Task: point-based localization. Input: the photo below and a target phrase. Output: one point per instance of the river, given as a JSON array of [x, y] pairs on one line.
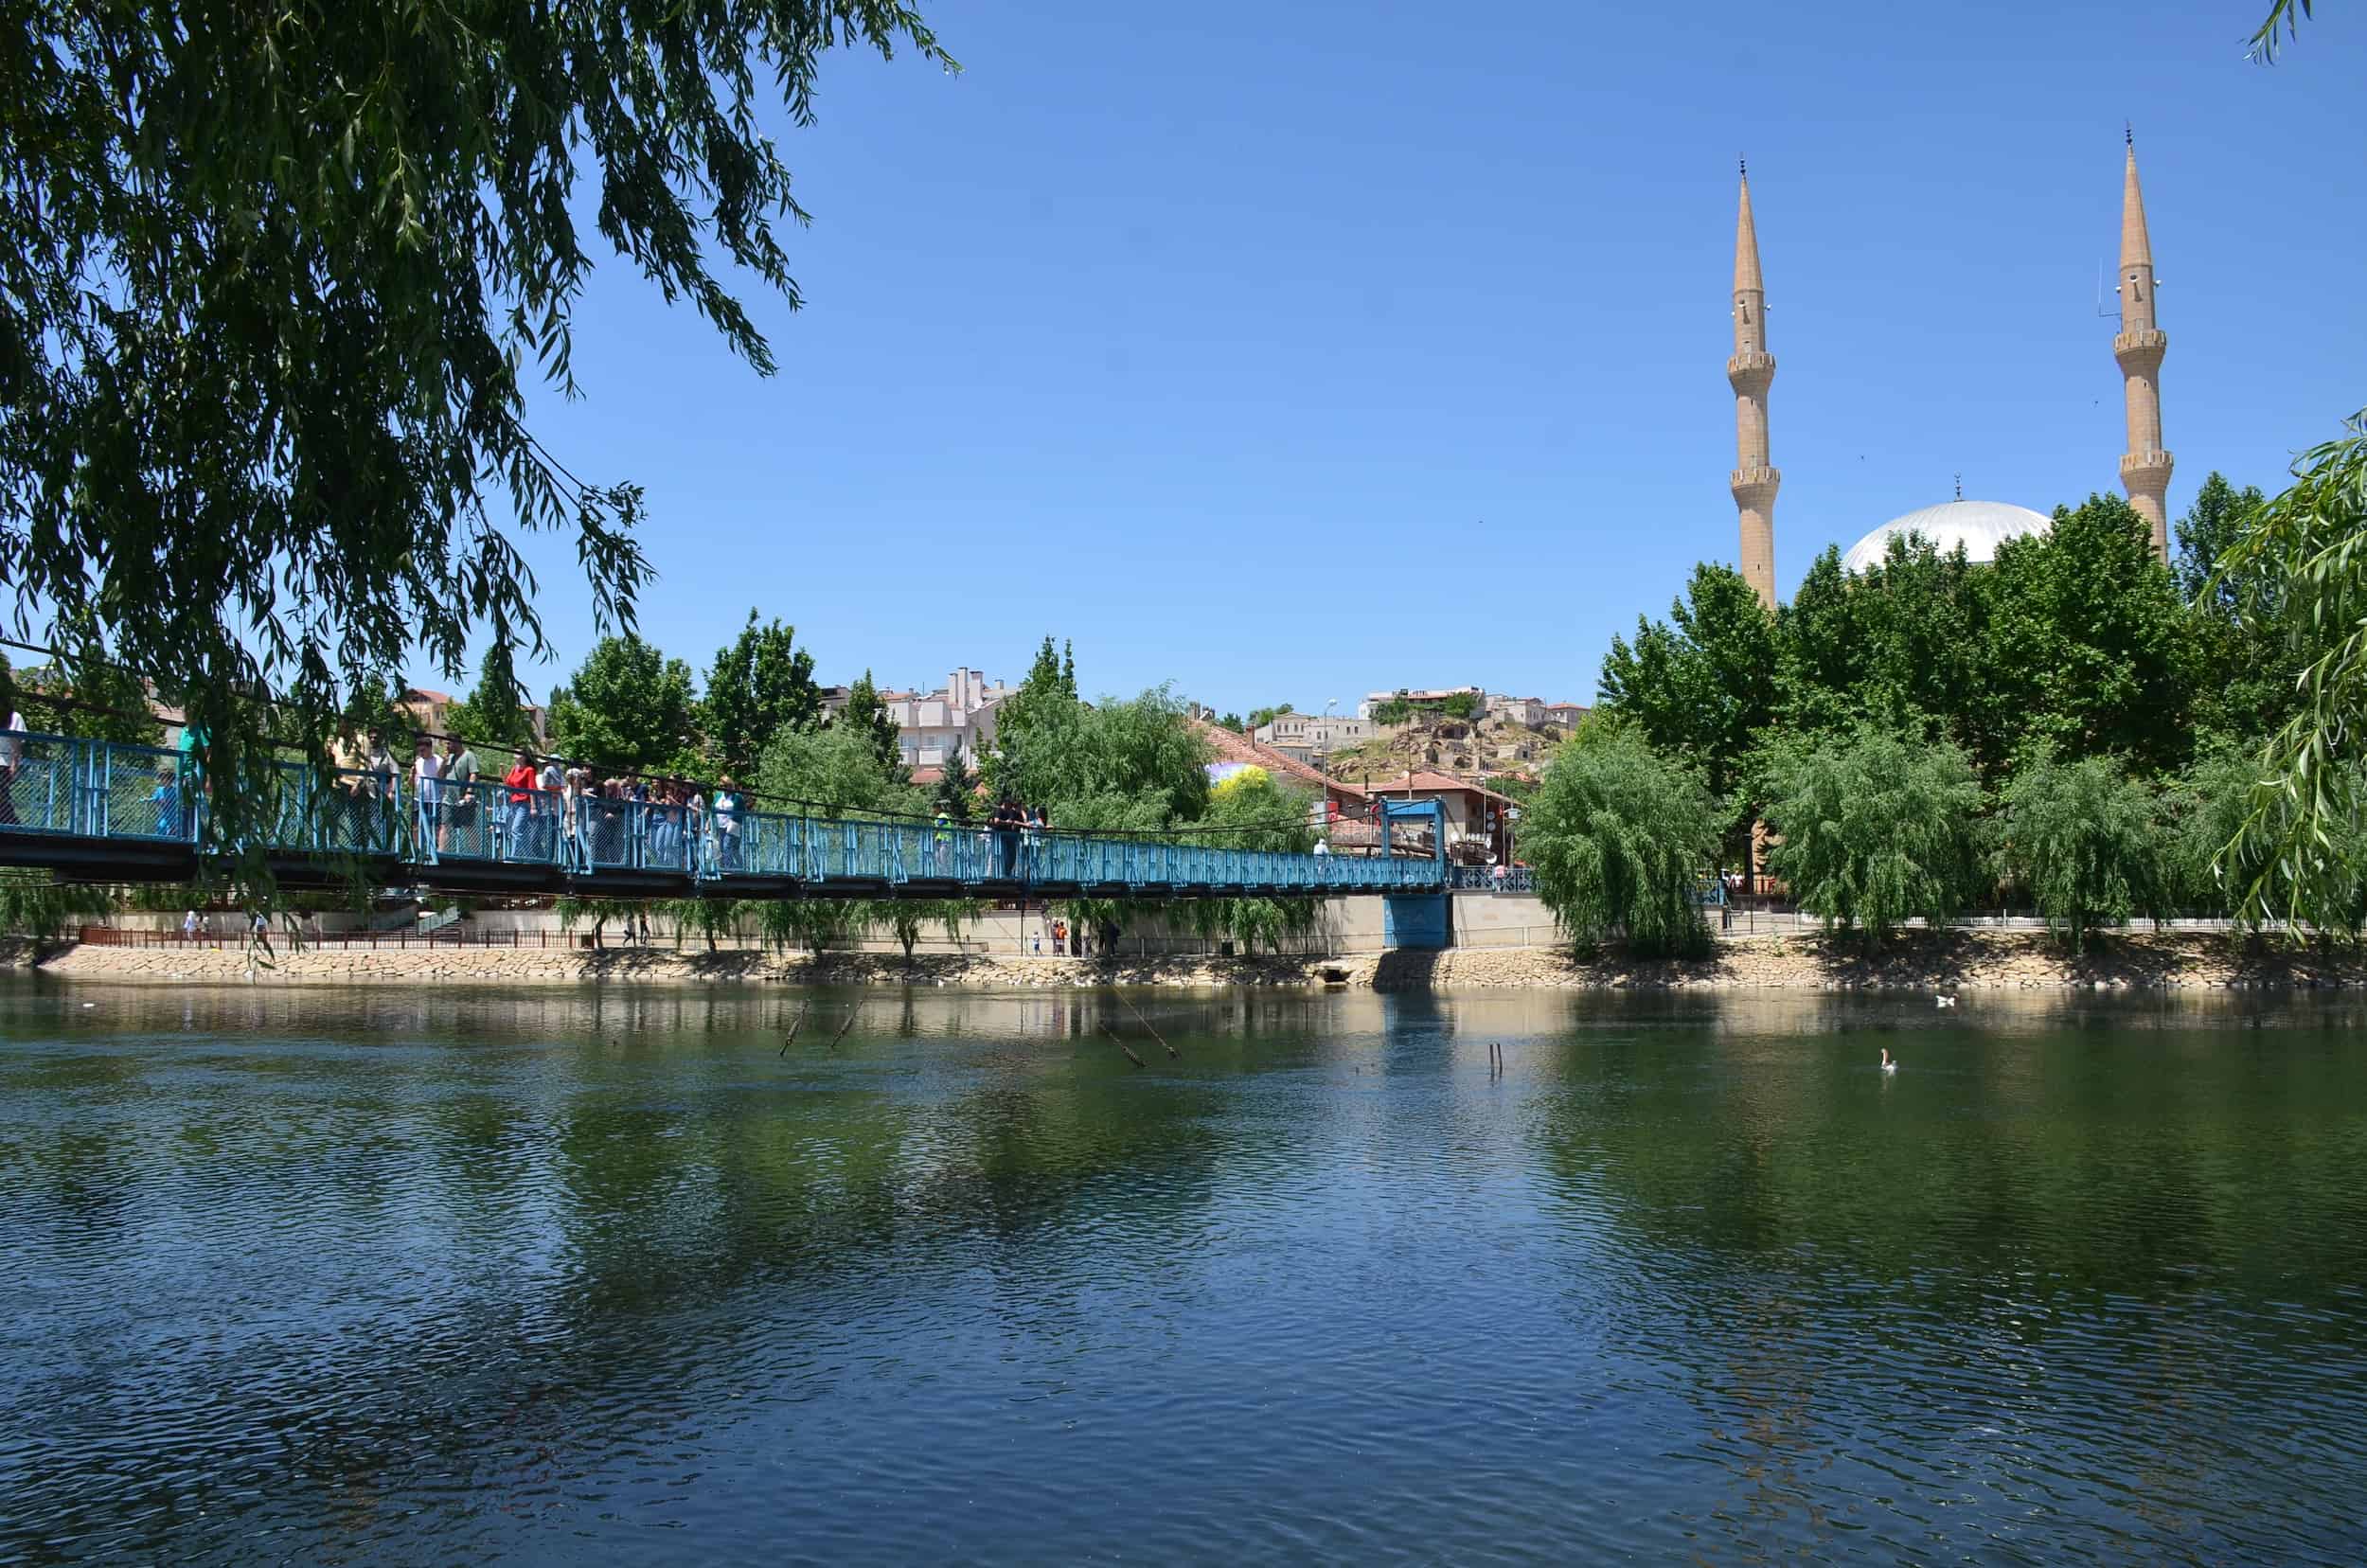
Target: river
[[385, 1276]]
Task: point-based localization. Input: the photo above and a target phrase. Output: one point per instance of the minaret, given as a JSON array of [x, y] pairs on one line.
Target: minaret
[[1751, 371], [2145, 467]]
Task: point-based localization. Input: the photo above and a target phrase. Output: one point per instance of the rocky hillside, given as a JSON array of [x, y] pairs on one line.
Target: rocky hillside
[[1463, 746]]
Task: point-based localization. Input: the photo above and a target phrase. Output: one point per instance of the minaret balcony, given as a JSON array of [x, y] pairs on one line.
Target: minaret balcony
[[2146, 470], [2140, 349], [1750, 372], [1754, 487]]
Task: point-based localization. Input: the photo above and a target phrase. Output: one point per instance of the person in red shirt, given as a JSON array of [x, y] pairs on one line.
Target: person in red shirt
[[520, 779]]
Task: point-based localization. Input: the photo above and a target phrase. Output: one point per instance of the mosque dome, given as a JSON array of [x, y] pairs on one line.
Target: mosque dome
[[1979, 527]]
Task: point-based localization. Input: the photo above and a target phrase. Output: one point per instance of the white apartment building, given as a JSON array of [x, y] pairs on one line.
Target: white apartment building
[[958, 719], [1302, 736]]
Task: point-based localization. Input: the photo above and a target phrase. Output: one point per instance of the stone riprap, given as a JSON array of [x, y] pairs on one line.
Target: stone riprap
[[1917, 960]]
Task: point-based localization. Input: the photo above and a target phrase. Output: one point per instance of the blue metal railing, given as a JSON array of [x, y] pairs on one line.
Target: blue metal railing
[[62, 787], [1510, 879]]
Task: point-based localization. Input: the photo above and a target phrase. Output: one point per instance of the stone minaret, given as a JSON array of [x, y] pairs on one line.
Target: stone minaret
[[2145, 467], [1751, 371]]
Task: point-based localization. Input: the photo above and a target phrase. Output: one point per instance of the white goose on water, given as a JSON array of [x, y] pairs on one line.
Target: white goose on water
[[1888, 1065]]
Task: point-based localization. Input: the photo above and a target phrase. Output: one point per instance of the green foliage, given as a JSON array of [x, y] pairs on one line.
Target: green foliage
[[627, 710], [36, 905], [759, 686], [1622, 838], [1047, 697], [1874, 830], [906, 920], [376, 710], [2084, 645], [1116, 765], [2083, 840], [711, 919], [1392, 710], [2262, 48], [1461, 704], [493, 715], [2243, 647], [279, 282], [598, 913], [866, 715], [835, 772], [2300, 567], [87, 693], [1250, 811], [811, 923], [1701, 688], [957, 790], [1261, 718], [2206, 807], [1232, 721]]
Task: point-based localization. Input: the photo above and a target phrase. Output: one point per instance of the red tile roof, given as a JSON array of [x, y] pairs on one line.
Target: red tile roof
[[928, 776], [1233, 746], [1425, 782]]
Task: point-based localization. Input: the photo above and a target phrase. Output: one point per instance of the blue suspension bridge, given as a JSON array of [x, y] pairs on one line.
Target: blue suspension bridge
[[102, 811]]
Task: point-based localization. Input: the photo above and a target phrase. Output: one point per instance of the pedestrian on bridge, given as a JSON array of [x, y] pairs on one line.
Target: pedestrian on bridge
[[520, 780], [11, 758], [459, 795]]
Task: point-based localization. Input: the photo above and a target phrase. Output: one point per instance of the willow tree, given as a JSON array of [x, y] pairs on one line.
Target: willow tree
[[2304, 560], [2086, 842], [1622, 839], [1874, 828], [275, 285]]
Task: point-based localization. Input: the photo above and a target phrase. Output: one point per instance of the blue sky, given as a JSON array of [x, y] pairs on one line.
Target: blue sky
[[1293, 352]]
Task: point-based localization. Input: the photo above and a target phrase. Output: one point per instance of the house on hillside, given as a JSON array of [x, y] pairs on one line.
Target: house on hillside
[[1438, 700], [1309, 737], [1565, 716], [1480, 830]]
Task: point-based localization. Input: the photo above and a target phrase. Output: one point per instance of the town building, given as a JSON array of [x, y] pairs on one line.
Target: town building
[[1431, 699], [1563, 716], [956, 719], [1311, 737], [1481, 828], [1528, 712]]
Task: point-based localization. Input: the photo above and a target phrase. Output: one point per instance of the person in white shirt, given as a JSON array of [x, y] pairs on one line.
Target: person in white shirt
[[427, 772], [554, 780], [11, 758]]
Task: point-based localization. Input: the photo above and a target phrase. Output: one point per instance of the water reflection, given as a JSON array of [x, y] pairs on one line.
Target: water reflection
[[419, 1277]]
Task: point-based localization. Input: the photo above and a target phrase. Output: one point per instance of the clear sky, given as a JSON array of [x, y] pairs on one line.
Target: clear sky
[[1292, 351]]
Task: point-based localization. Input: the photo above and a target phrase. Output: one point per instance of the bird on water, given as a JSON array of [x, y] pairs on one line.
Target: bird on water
[[1888, 1065]]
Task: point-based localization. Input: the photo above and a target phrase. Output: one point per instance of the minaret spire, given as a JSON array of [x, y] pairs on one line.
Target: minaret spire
[[2145, 467], [1750, 372]]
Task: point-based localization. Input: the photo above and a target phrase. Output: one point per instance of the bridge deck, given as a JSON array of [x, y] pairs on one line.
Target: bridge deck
[[132, 813]]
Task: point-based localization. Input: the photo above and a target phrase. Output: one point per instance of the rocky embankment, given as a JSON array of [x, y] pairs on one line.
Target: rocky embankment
[[1944, 961]]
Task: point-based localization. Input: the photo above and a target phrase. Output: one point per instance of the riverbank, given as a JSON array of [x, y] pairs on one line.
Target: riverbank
[[1944, 961]]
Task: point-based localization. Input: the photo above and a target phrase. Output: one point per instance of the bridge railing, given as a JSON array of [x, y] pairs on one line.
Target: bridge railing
[[66, 786]]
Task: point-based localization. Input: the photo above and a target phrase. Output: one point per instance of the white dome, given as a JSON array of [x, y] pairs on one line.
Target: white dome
[[1981, 526]]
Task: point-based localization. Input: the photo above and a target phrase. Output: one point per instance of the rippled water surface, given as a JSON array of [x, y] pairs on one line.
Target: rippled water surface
[[395, 1277]]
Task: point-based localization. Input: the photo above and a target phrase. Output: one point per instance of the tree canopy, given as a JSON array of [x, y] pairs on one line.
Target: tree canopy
[[2299, 564], [761, 685], [492, 714], [278, 285], [2082, 839], [628, 708], [1622, 838], [1874, 828]]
